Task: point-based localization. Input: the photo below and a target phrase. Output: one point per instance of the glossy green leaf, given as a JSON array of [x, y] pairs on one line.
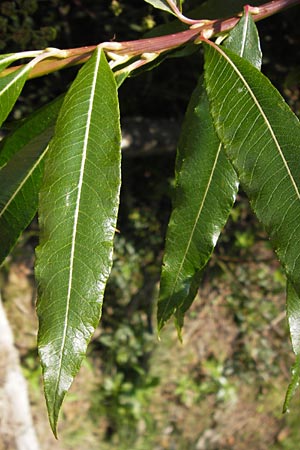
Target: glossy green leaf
[[21, 160], [78, 212], [262, 138], [204, 178], [243, 40], [20, 181], [10, 89]]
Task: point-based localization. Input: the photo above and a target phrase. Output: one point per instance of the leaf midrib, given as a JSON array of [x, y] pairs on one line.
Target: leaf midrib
[[194, 226], [76, 216], [245, 31], [25, 179], [226, 57]]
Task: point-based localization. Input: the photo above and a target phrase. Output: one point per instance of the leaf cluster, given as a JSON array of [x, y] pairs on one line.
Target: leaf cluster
[[65, 162]]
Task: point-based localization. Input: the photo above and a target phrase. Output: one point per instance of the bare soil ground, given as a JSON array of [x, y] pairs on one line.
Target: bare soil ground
[[222, 388]]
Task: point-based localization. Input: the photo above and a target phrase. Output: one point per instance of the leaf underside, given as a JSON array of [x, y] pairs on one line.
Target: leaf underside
[[205, 180], [78, 211]]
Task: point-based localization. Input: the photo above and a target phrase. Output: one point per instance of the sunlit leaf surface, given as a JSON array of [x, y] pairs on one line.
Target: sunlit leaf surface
[[262, 139], [78, 211]]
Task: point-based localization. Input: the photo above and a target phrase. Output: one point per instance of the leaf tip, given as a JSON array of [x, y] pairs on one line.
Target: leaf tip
[[53, 413]]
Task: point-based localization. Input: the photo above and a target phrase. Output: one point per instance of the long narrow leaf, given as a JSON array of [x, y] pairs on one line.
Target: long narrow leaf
[[78, 211], [206, 185], [294, 384], [20, 181], [10, 88], [12, 84], [29, 129], [21, 160], [293, 316], [262, 139]]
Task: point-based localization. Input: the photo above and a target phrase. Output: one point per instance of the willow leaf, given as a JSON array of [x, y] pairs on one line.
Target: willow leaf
[[78, 212], [21, 160], [294, 384], [204, 178], [261, 136], [20, 181], [10, 89], [293, 315], [29, 129], [6, 60]]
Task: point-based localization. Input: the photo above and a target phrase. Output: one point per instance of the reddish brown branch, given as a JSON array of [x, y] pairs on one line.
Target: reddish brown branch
[[157, 44]]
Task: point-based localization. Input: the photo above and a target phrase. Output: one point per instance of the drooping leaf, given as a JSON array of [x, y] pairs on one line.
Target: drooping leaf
[[204, 177], [35, 125], [20, 181], [262, 139], [203, 172], [21, 161], [293, 316], [78, 211], [294, 384]]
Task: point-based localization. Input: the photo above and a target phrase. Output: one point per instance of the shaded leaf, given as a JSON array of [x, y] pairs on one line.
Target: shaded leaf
[[78, 212], [261, 137], [21, 158], [203, 173], [205, 181], [20, 181], [29, 129]]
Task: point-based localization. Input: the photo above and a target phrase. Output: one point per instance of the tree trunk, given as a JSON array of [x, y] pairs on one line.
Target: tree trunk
[[16, 427]]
